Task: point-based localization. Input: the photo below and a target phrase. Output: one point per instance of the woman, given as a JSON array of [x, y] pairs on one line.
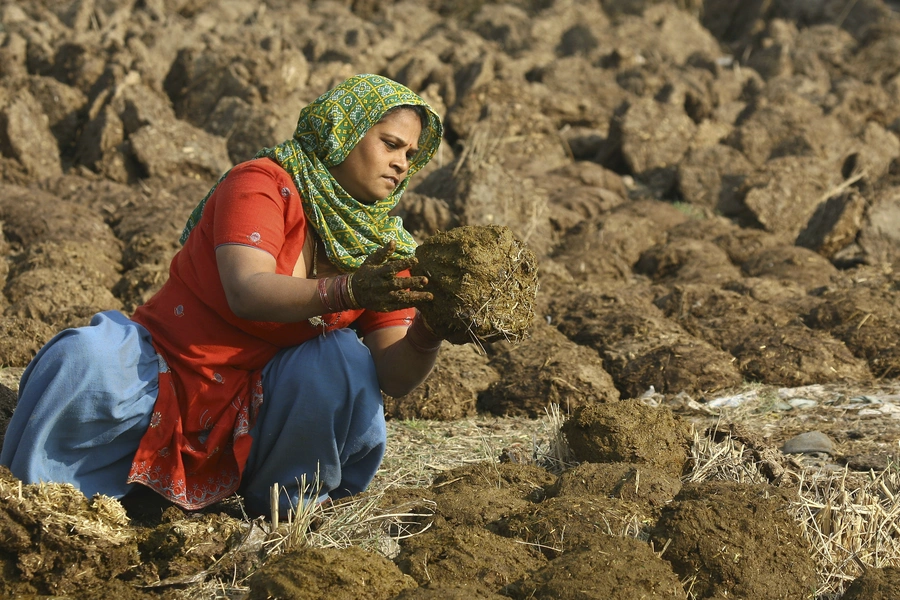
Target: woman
[[263, 357]]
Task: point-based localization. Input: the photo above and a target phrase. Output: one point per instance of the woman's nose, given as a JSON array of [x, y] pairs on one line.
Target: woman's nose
[[400, 162]]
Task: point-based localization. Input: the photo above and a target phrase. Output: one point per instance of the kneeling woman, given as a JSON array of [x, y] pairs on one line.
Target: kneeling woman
[[262, 358]]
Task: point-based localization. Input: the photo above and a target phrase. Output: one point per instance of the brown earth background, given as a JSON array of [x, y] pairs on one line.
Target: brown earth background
[[712, 192]]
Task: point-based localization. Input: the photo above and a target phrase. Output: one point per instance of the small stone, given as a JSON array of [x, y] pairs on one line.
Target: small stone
[[802, 403], [808, 443]]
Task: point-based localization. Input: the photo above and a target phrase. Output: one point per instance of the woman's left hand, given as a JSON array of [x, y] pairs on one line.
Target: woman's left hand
[[375, 285]]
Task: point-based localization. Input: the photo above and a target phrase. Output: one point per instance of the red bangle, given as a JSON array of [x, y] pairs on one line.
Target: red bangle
[[341, 297], [322, 287], [342, 292], [420, 336]]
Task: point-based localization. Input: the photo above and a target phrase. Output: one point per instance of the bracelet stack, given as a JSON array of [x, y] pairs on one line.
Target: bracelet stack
[[421, 337], [341, 297]]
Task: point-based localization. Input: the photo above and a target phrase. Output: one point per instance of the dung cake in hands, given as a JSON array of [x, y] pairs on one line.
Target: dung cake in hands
[[484, 282]]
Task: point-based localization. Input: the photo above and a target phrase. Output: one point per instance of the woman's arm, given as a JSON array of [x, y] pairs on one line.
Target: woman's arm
[[403, 358], [256, 292], [401, 366]]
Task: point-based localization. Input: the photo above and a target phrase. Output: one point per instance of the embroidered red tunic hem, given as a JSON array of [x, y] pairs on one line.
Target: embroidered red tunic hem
[[211, 362]]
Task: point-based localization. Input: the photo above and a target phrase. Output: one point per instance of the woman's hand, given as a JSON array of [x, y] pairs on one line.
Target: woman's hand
[[375, 285]]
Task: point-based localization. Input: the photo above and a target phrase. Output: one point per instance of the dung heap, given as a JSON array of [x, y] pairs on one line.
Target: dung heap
[[484, 282]]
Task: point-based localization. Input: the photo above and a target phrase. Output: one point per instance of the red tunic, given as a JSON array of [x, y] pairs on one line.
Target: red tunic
[[210, 380]]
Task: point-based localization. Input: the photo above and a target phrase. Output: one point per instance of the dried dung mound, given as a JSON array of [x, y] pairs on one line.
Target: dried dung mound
[[768, 340], [587, 255], [628, 431], [475, 495], [526, 481], [34, 294], [580, 191], [467, 555], [560, 525], [606, 247], [182, 545], [718, 315], [736, 540], [8, 400], [451, 391], [625, 565], [794, 356], [683, 260], [638, 483], [548, 368], [875, 584], [791, 263], [879, 235], [21, 338], [484, 282], [77, 258], [448, 591], [685, 364], [866, 320], [57, 542], [640, 347], [340, 573]]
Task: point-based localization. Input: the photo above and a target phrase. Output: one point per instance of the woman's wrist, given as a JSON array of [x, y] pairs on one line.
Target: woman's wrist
[[421, 337], [340, 297]]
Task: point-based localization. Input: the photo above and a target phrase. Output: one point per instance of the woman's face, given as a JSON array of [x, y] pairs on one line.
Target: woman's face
[[380, 161]]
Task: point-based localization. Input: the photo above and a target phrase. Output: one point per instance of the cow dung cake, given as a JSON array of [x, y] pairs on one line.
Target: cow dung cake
[[484, 282]]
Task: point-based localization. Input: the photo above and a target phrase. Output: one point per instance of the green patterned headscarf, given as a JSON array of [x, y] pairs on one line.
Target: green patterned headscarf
[[328, 129]]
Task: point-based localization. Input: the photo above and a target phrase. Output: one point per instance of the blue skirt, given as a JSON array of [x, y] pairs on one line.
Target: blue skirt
[[85, 402]]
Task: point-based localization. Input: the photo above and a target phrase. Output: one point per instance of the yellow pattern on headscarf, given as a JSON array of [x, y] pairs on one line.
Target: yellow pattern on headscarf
[[327, 130]]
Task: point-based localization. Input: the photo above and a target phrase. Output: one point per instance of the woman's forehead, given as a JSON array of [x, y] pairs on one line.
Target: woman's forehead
[[334, 123]]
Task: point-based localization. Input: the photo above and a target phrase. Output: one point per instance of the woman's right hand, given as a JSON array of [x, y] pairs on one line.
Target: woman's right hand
[[375, 285]]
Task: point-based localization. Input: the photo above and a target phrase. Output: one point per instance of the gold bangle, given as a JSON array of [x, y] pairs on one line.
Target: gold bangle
[[353, 301]]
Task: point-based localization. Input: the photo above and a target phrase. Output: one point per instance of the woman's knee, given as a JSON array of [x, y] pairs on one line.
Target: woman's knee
[[338, 357], [105, 355], [344, 349], [72, 347]]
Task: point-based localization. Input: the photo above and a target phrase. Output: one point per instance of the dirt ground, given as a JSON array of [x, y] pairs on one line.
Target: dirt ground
[[710, 191]]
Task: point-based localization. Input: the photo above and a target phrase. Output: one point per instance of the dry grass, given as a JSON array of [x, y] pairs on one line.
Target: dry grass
[[851, 523], [420, 450], [356, 521], [9, 376], [64, 508], [727, 460], [849, 519]]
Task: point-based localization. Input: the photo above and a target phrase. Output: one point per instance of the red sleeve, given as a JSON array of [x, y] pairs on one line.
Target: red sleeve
[[370, 321], [250, 207]]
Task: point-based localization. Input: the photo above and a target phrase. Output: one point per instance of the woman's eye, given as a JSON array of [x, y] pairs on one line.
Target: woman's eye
[[390, 145]]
